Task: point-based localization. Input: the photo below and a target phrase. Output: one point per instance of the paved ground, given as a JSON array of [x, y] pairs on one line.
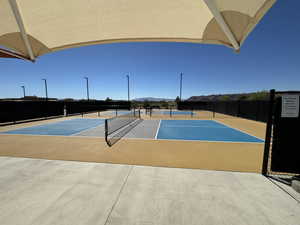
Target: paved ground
[[44, 192]]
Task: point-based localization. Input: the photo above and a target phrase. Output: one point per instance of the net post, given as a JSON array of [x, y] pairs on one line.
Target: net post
[[82, 114], [268, 134], [116, 112], [192, 113], [170, 112], [139, 113]]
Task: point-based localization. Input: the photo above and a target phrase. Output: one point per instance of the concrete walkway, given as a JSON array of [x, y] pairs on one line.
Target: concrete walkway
[[49, 192]]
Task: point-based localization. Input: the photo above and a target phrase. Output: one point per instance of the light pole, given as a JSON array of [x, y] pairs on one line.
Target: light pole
[[46, 88], [128, 87], [87, 88], [23, 87], [180, 94]]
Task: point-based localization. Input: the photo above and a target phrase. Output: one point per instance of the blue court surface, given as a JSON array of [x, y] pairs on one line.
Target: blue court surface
[[204, 130], [174, 112], [64, 128]]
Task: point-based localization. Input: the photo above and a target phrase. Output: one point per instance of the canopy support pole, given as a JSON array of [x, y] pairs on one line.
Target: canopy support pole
[[16, 55], [224, 26], [15, 9]]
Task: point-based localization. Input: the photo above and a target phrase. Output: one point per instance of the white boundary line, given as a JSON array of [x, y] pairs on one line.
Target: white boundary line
[[180, 126], [234, 142], [239, 130], [87, 129], [46, 123], [157, 130], [237, 142], [49, 135], [145, 139], [18, 129]]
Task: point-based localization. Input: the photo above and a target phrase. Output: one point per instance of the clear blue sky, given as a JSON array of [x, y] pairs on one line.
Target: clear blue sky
[[269, 58]]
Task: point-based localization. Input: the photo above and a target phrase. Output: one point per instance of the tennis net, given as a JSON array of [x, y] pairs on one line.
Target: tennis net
[[114, 126]]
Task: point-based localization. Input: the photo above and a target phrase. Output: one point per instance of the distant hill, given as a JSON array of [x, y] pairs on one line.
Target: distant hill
[[262, 95], [151, 99]]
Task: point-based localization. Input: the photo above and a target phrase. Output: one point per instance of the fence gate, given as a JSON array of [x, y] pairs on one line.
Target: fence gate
[[282, 143]]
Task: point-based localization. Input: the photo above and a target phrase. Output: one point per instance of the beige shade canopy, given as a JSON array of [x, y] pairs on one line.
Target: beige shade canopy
[[30, 28]]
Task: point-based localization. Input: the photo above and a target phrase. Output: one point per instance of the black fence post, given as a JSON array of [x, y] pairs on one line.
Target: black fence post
[[268, 134], [257, 110], [239, 109]]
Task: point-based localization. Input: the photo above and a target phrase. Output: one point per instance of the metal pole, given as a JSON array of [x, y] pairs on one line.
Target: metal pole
[[180, 94], [87, 88], [268, 134], [46, 89], [128, 87], [23, 90]]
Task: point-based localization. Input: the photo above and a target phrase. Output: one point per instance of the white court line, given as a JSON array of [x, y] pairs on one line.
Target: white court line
[[65, 135], [86, 129], [239, 130], [51, 122], [146, 139], [157, 129], [150, 139], [52, 135], [196, 126]]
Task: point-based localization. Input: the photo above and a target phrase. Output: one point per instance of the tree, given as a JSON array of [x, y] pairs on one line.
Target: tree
[[108, 99], [242, 97], [146, 104], [165, 104], [225, 98], [177, 99], [260, 95]]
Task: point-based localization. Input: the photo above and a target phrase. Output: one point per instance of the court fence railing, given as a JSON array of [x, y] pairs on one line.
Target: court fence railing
[[171, 112], [12, 112], [253, 110]]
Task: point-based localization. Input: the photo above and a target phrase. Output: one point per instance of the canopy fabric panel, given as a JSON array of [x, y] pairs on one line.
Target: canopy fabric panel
[[33, 28]]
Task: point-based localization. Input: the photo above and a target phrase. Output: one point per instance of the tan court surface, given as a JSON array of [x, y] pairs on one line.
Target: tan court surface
[[50, 192], [244, 157]]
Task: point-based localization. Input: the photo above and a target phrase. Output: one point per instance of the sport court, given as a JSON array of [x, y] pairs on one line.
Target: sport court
[[174, 112], [188, 130], [62, 128], [219, 144]]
